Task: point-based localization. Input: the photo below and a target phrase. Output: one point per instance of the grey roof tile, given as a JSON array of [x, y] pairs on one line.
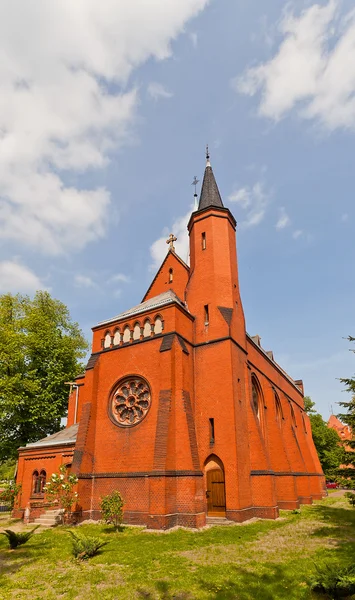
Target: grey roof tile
[[153, 303], [64, 436], [210, 195]]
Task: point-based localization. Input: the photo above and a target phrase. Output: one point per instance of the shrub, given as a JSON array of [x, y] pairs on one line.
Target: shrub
[[59, 490], [334, 580], [112, 508], [351, 498], [86, 546], [9, 494], [18, 539]]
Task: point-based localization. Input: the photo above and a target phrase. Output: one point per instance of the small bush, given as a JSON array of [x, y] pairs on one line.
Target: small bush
[[18, 539], [86, 546], [112, 508], [334, 580], [351, 498]]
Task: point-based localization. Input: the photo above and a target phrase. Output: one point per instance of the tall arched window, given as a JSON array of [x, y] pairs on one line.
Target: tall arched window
[[256, 400], [171, 275], [35, 481], [278, 408], [117, 337], [293, 416]]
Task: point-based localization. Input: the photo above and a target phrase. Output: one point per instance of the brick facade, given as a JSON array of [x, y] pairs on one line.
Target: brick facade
[[215, 397]]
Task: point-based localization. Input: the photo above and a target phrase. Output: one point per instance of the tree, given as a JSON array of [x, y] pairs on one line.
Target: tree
[[348, 418], [326, 440], [40, 349]]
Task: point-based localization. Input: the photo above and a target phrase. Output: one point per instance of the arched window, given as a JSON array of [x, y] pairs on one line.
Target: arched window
[[256, 400], [158, 325], [171, 275], [147, 329], [35, 482], [137, 332], [278, 407], [117, 338], [42, 480], [107, 341], [38, 482], [126, 334]]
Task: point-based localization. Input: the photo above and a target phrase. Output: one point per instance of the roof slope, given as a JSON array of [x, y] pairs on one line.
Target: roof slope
[[64, 436], [163, 299]]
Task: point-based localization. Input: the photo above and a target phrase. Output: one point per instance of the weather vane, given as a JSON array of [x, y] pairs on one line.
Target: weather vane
[[195, 182]]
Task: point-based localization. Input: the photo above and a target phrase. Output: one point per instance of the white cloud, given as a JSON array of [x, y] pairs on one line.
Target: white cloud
[[84, 281], [157, 91], [297, 234], [313, 69], [159, 248], [16, 278], [253, 200], [65, 105], [283, 220], [119, 277]]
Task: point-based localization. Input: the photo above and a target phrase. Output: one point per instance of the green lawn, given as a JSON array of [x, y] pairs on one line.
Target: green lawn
[[266, 560]]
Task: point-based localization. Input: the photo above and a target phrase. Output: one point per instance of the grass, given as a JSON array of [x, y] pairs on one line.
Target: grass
[[262, 560]]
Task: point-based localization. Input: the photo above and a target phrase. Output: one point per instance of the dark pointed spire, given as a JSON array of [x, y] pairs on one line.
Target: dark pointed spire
[[210, 195]]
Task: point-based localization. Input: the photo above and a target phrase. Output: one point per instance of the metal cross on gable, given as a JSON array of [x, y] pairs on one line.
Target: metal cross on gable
[[171, 241]]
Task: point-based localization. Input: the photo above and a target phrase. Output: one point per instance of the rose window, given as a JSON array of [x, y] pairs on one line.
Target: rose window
[[130, 402]]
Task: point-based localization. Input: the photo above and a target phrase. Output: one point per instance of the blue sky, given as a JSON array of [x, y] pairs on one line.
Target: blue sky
[[105, 112]]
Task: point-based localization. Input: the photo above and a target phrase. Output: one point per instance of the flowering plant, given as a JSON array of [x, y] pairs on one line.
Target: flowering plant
[[59, 489]]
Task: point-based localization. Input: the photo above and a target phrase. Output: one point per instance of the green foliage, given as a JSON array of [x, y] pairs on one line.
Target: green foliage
[[7, 470], [335, 580], [351, 498], [112, 508], [18, 539], [348, 418], [86, 546], [59, 489], [326, 440], [10, 493], [40, 349]]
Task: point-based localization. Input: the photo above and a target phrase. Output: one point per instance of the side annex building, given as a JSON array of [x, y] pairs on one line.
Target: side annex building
[[179, 408]]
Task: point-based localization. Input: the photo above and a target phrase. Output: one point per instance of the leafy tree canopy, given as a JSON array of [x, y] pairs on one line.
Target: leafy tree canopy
[[348, 417], [326, 440], [40, 349]]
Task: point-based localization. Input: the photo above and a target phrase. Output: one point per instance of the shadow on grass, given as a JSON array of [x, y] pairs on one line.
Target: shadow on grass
[[276, 582], [12, 561], [164, 593]]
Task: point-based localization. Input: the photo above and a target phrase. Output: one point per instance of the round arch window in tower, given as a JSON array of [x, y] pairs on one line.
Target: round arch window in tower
[[130, 401]]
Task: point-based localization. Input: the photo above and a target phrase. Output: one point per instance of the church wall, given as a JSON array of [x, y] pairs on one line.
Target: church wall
[[134, 456]]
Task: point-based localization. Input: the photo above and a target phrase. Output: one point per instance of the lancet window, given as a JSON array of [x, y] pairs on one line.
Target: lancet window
[[38, 481]]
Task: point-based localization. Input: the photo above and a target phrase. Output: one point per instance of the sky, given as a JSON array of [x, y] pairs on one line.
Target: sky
[[105, 111]]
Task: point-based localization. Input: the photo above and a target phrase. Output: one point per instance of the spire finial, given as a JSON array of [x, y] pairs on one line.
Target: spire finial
[[208, 164], [171, 241]]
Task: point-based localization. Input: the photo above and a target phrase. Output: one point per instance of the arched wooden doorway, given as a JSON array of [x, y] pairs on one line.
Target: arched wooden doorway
[[215, 491]]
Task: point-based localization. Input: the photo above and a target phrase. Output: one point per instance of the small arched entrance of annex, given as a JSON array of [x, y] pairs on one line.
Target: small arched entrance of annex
[[215, 487]]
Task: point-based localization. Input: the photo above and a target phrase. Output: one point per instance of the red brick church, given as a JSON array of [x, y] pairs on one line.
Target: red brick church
[[179, 408]]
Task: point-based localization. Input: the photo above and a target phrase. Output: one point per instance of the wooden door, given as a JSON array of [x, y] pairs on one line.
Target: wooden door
[[216, 496]]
